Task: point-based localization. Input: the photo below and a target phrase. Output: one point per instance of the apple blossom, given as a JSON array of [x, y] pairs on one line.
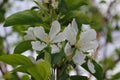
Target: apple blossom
[[87, 41], [53, 38]]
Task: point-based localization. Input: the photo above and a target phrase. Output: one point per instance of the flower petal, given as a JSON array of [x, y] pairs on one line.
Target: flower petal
[[85, 27], [68, 50], [91, 66], [89, 45], [79, 58], [40, 33], [70, 34], [55, 49], [55, 29], [74, 26], [37, 45], [30, 34], [32, 59], [59, 38], [88, 35]]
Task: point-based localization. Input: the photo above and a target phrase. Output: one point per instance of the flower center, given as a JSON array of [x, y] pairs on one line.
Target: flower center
[[77, 45]]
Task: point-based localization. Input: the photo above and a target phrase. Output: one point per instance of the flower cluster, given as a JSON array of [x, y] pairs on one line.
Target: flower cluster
[[77, 42]]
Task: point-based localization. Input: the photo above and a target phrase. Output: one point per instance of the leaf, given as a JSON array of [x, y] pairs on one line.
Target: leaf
[[78, 78], [22, 68], [25, 77], [15, 59], [99, 72], [27, 17], [40, 71], [81, 18], [56, 58], [23, 46], [116, 76], [2, 15], [47, 57], [75, 4]]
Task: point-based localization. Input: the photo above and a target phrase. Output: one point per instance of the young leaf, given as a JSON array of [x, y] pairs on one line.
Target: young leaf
[[23, 46], [75, 4], [15, 59], [40, 71], [27, 17], [25, 77], [81, 18], [116, 76], [98, 70], [22, 68]]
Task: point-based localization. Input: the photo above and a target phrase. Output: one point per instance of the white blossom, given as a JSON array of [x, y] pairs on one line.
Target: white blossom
[[54, 37], [86, 41]]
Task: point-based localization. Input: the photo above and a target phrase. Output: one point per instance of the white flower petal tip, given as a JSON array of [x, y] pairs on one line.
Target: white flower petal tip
[[40, 33], [39, 61], [54, 30], [37, 45], [34, 61], [59, 38], [30, 34], [79, 58], [68, 50], [55, 49], [91, 66], [70, 34], [74, 25], [85, 27]]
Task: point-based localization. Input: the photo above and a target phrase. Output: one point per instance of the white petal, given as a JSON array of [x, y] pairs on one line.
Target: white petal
[[37, 45], [59, 38], [85, 27], [29, 35], [79, 58], [92, 45], [88, 35], [55, 29], [91, 66], [55, 49], [32, 59], [40, 33], [74, 26], [70, 34], [39, 61], [68, 50]]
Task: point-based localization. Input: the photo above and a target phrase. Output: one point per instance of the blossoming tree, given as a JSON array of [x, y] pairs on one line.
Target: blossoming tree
[[56, 33]]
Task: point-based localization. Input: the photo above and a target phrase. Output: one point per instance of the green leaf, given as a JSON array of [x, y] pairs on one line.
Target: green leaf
[[22, 68], [15, 59], [78, 78], [40, 71], [103, 1], [2, 15], [25, 77], [27, 17], [75, 4], [47, 56], [99, 71], [116, 76], [81, 18], [23, 46], [56, 58]]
